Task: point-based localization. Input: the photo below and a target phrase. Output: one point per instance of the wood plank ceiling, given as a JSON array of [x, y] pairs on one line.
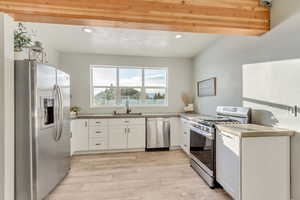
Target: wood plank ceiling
[[238, 17]]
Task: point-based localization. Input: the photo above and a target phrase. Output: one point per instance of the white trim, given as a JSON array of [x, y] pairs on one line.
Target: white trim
[[107, 151], [7, 107], [118, 87]]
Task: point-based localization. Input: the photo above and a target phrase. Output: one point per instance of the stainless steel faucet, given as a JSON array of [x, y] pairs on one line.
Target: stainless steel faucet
[[128, 110]]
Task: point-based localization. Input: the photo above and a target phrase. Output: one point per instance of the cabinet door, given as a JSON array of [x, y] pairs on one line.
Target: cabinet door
[[117, 137], [136, 136], [80, 135], [228, 163], [175, 132], [185, 135]]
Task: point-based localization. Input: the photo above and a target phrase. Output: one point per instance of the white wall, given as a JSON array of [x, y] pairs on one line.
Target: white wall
[[225, 58], [52, 53], [6, 108], [77, 65]]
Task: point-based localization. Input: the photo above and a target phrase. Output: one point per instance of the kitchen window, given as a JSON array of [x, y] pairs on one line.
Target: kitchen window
[[114, 86]]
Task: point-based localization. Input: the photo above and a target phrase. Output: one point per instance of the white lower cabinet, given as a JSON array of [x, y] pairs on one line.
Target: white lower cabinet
[[253, 168], [175, 132], [185, 135], [80, 135], [97, 144], [228, 163], [117, 137], [127, 133], [136, 137], [107, 134]]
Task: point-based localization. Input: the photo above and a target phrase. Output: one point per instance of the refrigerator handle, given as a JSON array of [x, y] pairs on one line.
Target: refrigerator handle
[[56, 111], [60, 130]]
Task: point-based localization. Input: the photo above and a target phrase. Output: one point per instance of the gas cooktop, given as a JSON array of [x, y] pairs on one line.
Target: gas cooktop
[[210, 120]]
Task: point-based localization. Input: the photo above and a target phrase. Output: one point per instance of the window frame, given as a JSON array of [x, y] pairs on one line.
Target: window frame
[[118, 87]]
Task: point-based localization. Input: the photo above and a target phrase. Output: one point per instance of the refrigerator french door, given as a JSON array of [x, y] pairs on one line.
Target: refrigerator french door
[[42, 129]]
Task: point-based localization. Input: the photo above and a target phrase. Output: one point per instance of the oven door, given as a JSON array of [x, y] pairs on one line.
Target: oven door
[[202, 149]]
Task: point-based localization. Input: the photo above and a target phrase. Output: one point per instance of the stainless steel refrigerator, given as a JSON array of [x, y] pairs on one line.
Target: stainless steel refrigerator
[[42, 129]]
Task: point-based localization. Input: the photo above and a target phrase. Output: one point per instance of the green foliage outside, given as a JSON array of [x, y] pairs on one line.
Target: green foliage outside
[[108, 96]]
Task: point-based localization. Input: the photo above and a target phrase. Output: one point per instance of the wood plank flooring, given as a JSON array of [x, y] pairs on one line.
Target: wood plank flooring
[[134, 176]]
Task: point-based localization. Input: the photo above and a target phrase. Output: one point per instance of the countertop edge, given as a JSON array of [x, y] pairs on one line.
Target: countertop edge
[[188, 116], [248, 134], [108, 116]]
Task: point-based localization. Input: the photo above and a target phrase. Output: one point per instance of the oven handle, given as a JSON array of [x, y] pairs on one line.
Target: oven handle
[[207, 135]]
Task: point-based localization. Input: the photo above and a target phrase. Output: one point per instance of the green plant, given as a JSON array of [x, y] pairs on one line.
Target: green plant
[[75, 109], [22, 38]]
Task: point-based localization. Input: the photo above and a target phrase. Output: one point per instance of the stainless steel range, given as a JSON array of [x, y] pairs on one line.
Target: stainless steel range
[[203, 143]]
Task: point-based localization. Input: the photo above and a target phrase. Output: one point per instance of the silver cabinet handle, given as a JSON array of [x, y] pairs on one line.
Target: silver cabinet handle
[[98, 131], [98, 144], [125, 131], [128, 130], [126, 121], [86, 123], [98, 122]]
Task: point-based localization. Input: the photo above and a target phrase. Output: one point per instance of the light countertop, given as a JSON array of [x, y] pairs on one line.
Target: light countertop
[[188, 116], [108, 116], [253, 130]]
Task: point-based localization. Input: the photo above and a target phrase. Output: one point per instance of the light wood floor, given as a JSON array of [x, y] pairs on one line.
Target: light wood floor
[[134, 176]]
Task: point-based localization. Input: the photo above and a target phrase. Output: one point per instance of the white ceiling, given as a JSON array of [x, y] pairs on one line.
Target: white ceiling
[[117, 41]]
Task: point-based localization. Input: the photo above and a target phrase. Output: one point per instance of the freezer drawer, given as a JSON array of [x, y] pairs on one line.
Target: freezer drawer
[[158, 133]]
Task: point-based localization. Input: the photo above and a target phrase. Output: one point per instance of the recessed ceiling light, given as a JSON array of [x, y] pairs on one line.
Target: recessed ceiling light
[[178, 36], [87, 30]]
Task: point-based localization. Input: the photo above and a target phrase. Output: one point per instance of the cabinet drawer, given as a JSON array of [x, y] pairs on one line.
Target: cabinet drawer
[[97, 144], [127, 121], [98, 122], [97, 132]]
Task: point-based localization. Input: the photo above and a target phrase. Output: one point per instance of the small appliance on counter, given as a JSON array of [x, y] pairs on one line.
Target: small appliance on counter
[[203, 139], [158, 134]]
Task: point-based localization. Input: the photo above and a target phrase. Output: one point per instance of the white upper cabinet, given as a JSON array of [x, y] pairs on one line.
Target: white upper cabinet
[[280, 81]]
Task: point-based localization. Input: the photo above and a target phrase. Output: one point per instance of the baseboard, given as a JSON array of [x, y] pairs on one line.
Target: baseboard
[[175, 148], [108, 151]]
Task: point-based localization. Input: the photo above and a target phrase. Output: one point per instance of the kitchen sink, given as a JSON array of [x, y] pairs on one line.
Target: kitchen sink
[[128, 114]]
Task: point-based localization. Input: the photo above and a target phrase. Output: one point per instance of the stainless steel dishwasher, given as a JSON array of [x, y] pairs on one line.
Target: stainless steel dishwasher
[[158, 134]]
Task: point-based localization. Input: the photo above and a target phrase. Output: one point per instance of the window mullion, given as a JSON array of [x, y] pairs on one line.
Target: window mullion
[[143, 92], [118, 91]]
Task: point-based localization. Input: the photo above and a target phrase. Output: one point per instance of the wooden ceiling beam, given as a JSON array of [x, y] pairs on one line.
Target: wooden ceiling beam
[[238, 17]]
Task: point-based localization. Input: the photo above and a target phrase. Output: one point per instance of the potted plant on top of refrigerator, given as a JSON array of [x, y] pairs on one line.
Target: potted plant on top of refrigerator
[[22, 41]]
